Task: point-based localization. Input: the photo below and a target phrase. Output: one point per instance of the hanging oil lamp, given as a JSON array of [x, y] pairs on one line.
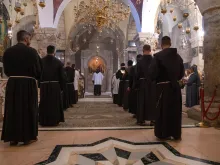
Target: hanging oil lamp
[[180, 25], [163, 11], [17, 7], [9, 23], [171, 10], [174, 18], [17, 21], [42, 3], [25, 4], [196, 28], [185, 14], [188, 30], [168, 1], [22, 12], [1, 20]]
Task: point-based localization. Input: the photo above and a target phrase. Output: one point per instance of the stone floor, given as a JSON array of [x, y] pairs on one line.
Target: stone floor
[[97, 132], [100, 112], [196, 144]]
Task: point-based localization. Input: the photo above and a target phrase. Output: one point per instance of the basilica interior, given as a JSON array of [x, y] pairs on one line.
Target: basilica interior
[[102, 34]]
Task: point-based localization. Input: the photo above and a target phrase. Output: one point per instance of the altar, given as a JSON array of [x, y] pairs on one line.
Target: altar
[[91, 61]]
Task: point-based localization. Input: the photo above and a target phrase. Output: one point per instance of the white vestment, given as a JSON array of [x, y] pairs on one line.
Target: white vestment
[[76, 79], [115, 85], [97, 78]]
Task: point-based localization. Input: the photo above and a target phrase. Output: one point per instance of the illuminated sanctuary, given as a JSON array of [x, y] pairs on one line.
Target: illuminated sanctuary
[[102, 34]]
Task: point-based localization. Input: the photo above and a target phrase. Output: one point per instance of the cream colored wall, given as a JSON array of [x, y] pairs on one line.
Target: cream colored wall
[[69, 17], [132, 31]]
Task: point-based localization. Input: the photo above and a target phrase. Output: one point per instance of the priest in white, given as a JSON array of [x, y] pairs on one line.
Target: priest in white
[[76, 83], [97, 81]]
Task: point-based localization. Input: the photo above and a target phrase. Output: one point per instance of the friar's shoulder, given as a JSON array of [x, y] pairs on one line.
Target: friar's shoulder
[[180, 58], [32, 50], [58, 62], [158, 54]]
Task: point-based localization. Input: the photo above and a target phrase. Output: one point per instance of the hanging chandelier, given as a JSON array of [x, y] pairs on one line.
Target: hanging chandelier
[[101, 14]]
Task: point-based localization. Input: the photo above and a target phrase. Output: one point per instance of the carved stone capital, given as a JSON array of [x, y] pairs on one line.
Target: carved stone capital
[[196, 42], [146, 38]]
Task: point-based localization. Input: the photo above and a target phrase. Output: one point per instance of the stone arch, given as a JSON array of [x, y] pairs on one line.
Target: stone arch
[[127, 2], [132, 32], [26, 23], [107, 75], [5, 12]]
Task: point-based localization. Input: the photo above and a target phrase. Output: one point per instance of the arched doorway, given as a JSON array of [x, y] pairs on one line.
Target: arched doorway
[[94, 63]]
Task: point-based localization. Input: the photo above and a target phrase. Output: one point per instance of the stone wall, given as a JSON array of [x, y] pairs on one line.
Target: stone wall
[[61, 41], [51, 36], [132, 31]]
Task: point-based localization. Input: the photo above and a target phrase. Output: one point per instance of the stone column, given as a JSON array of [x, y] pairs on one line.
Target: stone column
[[1, 108], [210, 10], [145, 38], [197, 47]]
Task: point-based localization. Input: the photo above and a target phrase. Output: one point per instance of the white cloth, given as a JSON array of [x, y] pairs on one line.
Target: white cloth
[[115, 85], [76, 79], [97, 78]]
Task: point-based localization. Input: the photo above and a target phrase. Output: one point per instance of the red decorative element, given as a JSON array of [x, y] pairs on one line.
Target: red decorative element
[[138, 4], [205, 111], [56, 5]]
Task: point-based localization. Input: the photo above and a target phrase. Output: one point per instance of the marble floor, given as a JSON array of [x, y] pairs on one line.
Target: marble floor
[[113, 144], [199, 146]]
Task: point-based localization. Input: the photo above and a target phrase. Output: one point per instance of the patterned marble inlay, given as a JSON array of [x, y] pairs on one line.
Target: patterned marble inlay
[[112, 151]]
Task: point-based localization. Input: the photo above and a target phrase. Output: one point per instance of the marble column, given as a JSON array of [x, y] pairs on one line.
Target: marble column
[[145, 38], [210, 10]]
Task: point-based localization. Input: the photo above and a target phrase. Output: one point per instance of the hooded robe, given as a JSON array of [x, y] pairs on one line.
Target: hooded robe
[[167, 69]]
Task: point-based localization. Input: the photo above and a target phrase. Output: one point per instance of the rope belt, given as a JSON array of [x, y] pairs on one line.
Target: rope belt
[[126, 80], [49, 82], [142, 79], [70, 83], [22, 77], [165, 82], [27, 77]]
